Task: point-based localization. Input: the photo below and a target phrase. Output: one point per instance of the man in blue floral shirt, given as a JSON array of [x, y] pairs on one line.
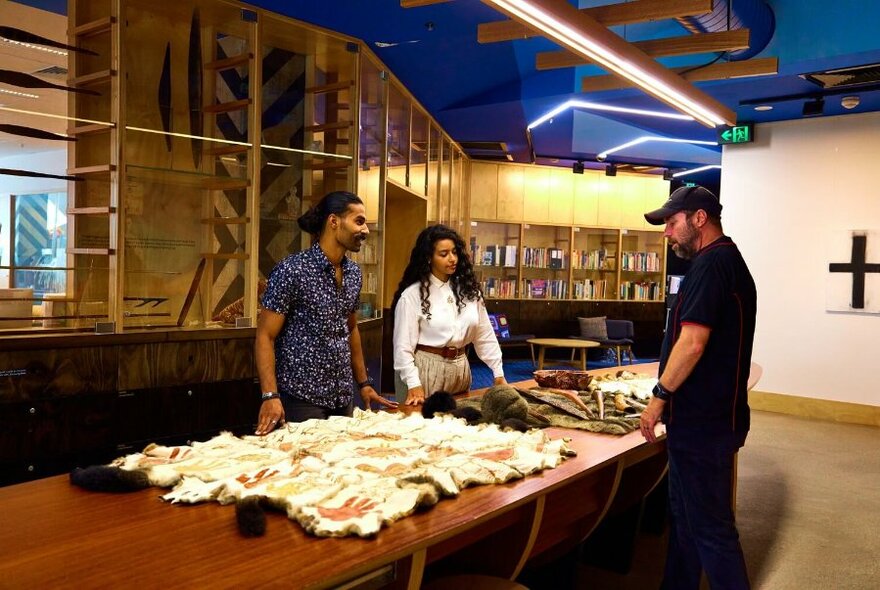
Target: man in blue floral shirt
[[308, 347]]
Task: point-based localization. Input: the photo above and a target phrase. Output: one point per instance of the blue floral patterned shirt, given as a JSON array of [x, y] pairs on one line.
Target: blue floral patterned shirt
[[312, 352]]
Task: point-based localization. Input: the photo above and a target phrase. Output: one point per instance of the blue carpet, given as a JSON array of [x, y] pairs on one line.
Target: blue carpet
[[522, 369]]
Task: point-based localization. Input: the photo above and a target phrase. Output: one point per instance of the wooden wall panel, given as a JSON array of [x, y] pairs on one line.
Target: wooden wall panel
[[536, 202], [484, 190], [561, 196], [586, 198], [511, 193], [609, 213], [656, 193], [631, 200], [167, 364], [39, 374]]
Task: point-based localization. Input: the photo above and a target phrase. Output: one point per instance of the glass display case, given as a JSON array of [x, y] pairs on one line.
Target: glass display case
[[546, 252], [418, 152], [399, 107], [445, 188], [434, 175], [642, 265], [369, 184], [594, 263], [495, 254], [203, 130]]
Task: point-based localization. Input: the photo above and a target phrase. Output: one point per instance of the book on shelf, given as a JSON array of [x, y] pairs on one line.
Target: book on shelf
[[640, 291], [557, 258], [591, 289], [544, 288], [488, 256], [508, 258], [640, 261], [494, 288]]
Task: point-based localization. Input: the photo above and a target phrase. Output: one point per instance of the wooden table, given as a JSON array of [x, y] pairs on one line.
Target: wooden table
[[53, 535], [575, 344]]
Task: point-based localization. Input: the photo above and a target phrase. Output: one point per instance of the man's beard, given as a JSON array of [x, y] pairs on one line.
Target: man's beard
[[687, 248], [353, 244]]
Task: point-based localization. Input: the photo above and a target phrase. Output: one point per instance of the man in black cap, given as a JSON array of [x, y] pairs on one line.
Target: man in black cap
[[701, 394]]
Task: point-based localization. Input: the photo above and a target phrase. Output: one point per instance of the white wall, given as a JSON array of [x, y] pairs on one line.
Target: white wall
[[781, 196]]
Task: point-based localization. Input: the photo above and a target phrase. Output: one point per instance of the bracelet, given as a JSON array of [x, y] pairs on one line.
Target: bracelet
[[270, 395], [364, 383], [661, 392]]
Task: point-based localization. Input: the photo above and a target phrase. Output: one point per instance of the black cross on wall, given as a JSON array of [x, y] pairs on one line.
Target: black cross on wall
[[858, 266]]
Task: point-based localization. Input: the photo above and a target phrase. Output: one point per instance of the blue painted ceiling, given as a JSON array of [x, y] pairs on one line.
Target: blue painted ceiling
[[491, 92]]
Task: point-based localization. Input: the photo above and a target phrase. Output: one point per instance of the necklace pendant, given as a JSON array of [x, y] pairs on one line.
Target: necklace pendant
[[449, 299]]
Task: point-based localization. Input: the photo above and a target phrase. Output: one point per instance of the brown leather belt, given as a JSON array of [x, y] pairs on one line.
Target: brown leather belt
[[447, 352]]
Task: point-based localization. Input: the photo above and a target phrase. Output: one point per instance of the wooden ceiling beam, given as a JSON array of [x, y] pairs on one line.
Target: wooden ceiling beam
[[684, 45], [609, 15], [580, 32], [415, 3], [765, 66]]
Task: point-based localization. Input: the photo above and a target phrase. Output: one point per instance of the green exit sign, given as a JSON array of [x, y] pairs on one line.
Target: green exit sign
[[744, 133]]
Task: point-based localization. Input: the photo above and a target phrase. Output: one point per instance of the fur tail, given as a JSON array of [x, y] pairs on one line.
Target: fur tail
[[104, 478], [250, 517], [440, 401]]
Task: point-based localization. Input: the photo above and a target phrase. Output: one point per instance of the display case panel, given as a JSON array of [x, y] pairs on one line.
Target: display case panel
[[418, 152], [495, 254], [373, 94], [546, 252], [187, 190], [434, 148], [399, 108], [642, 265], [445, 189], [455, 210], [594, 263]]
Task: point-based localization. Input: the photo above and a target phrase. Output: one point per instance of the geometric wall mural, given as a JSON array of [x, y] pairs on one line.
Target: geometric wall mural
[[853, 280]]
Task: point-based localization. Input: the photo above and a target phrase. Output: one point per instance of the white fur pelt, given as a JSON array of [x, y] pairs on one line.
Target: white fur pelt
[[347, 476]]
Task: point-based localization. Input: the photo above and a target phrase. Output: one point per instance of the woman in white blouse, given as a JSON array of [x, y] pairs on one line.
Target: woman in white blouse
[[438, 311]]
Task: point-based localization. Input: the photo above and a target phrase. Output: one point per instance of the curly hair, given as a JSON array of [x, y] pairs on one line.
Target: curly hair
[[464, 283]]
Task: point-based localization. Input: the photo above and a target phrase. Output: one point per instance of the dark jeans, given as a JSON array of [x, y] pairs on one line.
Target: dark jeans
[[703, 535], [297, 410]]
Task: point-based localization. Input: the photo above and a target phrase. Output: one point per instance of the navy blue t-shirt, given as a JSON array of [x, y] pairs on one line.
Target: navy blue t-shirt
[[711, 406], [312, 352]]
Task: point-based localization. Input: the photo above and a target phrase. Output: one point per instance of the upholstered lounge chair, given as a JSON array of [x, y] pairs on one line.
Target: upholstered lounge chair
[[620, 338]]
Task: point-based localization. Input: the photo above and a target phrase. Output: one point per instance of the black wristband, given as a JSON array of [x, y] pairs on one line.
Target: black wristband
[[661, 392], [366, 382], [269, 395]]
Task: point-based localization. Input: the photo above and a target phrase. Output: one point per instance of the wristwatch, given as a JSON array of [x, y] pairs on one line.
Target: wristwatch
[[661, 392], [366, 382], [269, 395]]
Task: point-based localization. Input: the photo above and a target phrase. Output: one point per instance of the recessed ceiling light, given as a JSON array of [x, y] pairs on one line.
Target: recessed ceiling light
[[764, 107]]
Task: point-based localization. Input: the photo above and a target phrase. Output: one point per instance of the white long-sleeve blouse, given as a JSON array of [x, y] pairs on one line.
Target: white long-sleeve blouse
[[448, 326]]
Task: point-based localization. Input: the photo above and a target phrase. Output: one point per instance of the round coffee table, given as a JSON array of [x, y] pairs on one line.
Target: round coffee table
[[574, 343]]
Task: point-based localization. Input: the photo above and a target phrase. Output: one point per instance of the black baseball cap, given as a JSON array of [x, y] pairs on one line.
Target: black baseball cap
[[686, 198]]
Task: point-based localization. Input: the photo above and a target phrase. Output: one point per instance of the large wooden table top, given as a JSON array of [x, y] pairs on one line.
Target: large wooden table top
[[53, 534]]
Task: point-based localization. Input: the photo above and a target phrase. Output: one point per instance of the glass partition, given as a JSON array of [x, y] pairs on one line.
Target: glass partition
[[434, 175], [418, 163], [399, 107], [370, 189]]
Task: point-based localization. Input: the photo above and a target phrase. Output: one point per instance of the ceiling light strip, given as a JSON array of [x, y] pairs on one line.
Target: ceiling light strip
[[580, 104], [552, 27], [695, 170], [650, 138]]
